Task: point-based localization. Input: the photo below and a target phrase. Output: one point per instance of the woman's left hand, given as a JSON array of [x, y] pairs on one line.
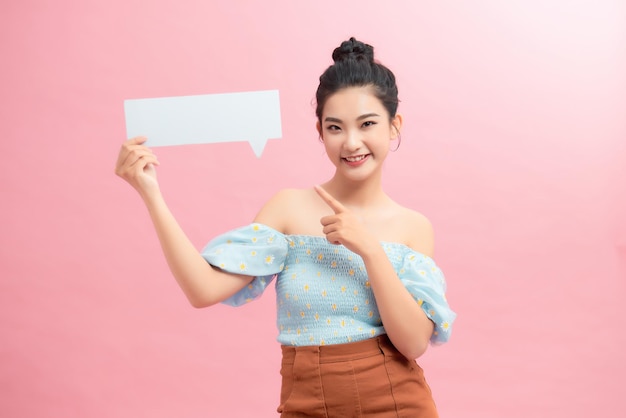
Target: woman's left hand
[[344, 228]]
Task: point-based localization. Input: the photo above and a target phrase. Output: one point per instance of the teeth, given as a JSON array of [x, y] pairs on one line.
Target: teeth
[[355, 159]]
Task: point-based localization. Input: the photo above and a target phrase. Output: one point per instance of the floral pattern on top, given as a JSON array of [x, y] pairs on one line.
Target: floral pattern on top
[[323, 294]]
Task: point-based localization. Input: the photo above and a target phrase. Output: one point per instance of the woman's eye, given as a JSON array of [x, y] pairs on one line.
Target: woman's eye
[[368, 123], [332, 128]]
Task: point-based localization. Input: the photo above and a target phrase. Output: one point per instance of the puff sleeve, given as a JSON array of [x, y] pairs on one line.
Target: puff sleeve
[[254, 250], [426, 283]]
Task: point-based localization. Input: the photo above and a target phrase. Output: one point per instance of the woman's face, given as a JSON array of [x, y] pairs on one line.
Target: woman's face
[[356, 130]]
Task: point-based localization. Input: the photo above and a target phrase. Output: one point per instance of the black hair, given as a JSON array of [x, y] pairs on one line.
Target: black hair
[[355, 67]]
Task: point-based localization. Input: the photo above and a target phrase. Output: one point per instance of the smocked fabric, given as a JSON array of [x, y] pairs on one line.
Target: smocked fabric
[[323, 294]]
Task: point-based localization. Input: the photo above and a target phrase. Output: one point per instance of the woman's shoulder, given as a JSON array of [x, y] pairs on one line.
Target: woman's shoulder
[[285, 206], [288, 198], [417, 230]]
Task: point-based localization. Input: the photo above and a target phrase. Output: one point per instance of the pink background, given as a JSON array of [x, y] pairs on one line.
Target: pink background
[[514, 146]]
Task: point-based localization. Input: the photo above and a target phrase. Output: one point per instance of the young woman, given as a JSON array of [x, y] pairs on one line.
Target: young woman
[[358, 294]]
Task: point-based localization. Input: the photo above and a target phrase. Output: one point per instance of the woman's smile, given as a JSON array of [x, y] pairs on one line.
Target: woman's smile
[[356, 160]]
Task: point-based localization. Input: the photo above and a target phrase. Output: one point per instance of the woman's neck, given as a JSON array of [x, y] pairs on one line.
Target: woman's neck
[[357, 194]]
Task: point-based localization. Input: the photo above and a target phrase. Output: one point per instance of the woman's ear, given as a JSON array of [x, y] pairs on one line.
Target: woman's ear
[[318, 126], [396, 126]]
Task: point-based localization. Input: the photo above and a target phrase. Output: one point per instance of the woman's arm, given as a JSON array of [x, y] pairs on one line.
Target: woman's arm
[[203, 284], [406, 324]]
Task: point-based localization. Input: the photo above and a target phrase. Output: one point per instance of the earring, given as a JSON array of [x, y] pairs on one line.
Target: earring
[[399, 138]]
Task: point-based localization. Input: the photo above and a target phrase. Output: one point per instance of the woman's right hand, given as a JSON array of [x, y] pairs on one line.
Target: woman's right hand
[[203, 284], [135, 164]]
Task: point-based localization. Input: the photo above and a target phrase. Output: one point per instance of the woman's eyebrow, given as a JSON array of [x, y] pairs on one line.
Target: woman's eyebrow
[[337, 120], [331, 119], [367, 115]]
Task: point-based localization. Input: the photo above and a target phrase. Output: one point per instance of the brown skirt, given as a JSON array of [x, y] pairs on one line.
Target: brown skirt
[[364, 379]]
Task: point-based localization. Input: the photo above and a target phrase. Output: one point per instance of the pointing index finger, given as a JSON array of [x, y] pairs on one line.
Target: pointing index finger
[[334, 204]]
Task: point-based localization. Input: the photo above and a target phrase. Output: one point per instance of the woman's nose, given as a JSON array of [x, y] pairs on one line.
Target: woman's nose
[[353, 141]]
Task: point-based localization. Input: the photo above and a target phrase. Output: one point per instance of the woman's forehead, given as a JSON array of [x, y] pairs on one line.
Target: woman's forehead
[[352, 103]]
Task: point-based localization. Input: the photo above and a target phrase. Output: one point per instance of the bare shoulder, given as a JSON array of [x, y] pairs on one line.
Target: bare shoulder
[[419, 229], [281, 209]]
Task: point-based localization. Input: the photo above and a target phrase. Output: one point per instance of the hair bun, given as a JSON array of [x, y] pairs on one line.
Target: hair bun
[[353, 49]]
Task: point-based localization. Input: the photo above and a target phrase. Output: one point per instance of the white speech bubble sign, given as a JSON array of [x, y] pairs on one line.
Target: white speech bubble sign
[[252, 117]]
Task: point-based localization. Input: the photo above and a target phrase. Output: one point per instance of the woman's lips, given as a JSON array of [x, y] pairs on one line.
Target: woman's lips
[[356, 160]]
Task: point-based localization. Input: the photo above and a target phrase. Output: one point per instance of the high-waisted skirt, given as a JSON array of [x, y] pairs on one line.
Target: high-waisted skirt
[[364, 379]]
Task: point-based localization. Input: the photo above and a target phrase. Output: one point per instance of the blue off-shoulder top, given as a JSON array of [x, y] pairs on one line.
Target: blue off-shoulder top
[[323, 295]]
